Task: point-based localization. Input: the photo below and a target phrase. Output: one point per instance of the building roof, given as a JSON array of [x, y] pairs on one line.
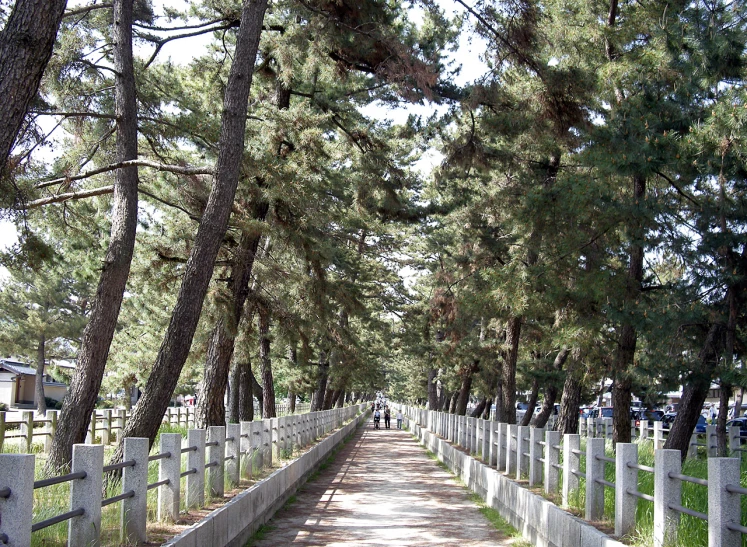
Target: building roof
[[16, 368]]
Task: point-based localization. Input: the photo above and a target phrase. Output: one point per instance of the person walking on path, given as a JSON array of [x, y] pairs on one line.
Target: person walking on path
[[377, 418], [399, 419], [387, 417]]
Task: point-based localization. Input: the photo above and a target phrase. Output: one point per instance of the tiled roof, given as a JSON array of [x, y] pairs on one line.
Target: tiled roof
[[16, 367]]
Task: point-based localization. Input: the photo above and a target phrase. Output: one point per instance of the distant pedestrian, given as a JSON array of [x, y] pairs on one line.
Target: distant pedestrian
[[399, 419], [387, 417], [377, 418]]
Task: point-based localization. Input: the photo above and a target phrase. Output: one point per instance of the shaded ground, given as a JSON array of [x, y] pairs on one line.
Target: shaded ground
[[382, 489]]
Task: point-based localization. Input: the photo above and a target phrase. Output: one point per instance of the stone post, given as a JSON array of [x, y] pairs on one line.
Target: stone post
[[643, 430], [487, 426], [522, 448], [196, 468], [27, 429], [233, 457], [626, 480], [501, 445], [724, 507], [667, 491], [582, 427], [215, 461], [245, 448], [552, 459], [169, 469], [692, 450], [735, 440], [571, 463], [594, 473], [17, 474], [52, 415], [607, 428], [535, 455], [711, 441], [106, 431], [86, 494], [2, 429], [257, 446], [658, 435], [134, 510], [267, 442], [511, 446], [275, 437]]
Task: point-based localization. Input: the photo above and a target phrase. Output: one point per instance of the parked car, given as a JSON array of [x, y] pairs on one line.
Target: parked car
[[741, 423], [650, 415], [668, 419], [601, 412]]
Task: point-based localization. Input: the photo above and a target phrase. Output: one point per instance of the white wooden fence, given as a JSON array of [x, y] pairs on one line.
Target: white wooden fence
[[543, 456], [213, 457]]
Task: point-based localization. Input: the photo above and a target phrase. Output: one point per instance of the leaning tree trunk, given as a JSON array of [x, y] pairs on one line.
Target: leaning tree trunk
[[26, 44], [626, 343], [508, 372], [146, 416], [210, 410], [531, 404], [551, 393], [465, 388], [569, 403], [268, 385], [41, 403], [80, 400], [479, 408], [317, 398], [234, 394], [432, 389]]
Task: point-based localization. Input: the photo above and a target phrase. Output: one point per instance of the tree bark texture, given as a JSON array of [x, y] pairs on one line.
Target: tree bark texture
[[210, 410], [432, 389], [453, 402], [626, 343], [234, 394], [479, 408], [41, 403], [465, 388], [721, 419], [97, 336], [569, 403], [268, 386], [531, 404], [317, 399], [508, 371], [26, 44], [551, 393], [177, 341]]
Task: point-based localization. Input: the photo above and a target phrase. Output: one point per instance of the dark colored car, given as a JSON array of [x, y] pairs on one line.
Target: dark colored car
[[650, 415], [669, 417], [741, 423]]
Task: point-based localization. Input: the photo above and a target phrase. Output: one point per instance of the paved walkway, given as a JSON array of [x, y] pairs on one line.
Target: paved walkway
[[382, 489]]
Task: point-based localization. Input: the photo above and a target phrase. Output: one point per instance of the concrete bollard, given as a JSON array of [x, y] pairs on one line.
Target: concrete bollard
[[607, 428], [643, 435], [582, 427], [535, 455], [85, 494], [594, 473], [493, 438], [658, 435], [667, 491], [626, 480], [134, 510], [169, 469], [267, 441], [195, 468], [571, 463], [245, 449], [501, 446], [215, 462], [552, 460], [17, 474], [106, 430], [27, 429], [486, 435], [233, 457], [711, 441], [511, 446], [735, 440], [52, 415], [471, 436], [692, 450], [522, 449], [724, 507], [275, 437], [257, 447]]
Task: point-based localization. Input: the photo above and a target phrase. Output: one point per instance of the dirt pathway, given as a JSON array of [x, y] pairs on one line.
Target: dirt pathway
[[382, 489]]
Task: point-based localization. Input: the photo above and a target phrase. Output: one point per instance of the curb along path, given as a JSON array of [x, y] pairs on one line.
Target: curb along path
[[382, 489]]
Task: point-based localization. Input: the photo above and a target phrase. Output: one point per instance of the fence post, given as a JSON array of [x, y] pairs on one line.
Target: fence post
[[216, 463], [571, 462], [275, 437], [245, 448], [51, 430], [267, 442], [85, 494], [106, 433], [658, 436], [594, 472], [735, 440], [552, 459], [17, 474], [511, 444], [626, 479], [195, 468], [233, 461], [643, 435], [169, 469], [692, 449], [2, 429], [608, 428], [535, 455], [582, 424], [27, 429], [711, 443], [134, 511], [667, 491], [522, 461], [492, 454], [724, 507]]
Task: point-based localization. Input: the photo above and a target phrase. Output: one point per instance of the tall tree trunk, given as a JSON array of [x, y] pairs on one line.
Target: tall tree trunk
[[738, 403], [626, 343], [531, 404], [466, 387], [146, 416], [293, 358], [508, 371], [234, 394], [432, 389], [268, 385], [26, 44], [453, 402], [41, 403], [97, 336], [723, 411], [551, 393], [210, 410], [317, 399], [569, 402], [479, 408]]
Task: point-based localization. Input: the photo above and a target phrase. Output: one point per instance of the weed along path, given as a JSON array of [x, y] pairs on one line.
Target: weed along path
[[381, 489]]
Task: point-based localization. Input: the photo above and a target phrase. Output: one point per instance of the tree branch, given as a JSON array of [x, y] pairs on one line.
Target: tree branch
[[679, 190], [59, 198], [177, 169], [86, 9]]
